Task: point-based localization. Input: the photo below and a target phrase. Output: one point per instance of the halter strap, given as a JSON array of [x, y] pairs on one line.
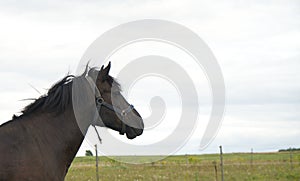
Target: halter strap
[[101, 102]]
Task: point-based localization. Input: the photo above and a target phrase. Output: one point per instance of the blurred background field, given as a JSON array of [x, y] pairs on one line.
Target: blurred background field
[[237, 166]]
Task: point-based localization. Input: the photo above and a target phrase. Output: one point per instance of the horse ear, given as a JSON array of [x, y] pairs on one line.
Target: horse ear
[[104, 72], [107, 68]]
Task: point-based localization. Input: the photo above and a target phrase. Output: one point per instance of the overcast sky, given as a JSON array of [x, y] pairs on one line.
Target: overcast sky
[[256, 43]]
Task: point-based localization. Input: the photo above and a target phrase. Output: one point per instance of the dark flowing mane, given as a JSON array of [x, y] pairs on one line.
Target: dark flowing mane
[[56, 99], [59, 96]]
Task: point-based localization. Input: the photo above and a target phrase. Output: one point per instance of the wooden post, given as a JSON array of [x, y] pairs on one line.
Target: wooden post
[[291, 158], [251, 162], [186, 160], [221, 164], [97, 170]]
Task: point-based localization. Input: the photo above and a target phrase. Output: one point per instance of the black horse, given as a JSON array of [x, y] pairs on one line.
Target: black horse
[[41, 143]]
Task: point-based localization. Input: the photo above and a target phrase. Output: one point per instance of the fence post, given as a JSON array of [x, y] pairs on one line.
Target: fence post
[[186, 160], [221, 164], [291, 158], [97, 170], [251, 157]]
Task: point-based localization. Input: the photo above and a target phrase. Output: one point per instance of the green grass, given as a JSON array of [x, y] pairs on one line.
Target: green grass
[[237, 166]]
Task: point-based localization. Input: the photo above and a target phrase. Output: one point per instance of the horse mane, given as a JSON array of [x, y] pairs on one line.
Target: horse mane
[[59, 96]]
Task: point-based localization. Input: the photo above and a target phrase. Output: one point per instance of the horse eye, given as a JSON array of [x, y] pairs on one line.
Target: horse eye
[[106, 92]]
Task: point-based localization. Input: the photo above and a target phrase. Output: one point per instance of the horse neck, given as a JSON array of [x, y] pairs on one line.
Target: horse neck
[[60, 135]]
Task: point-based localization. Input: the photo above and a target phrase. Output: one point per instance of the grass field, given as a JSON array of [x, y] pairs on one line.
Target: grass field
[[237, 166]]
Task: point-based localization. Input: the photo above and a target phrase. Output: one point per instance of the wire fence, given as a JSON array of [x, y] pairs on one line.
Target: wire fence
[[251, 165], [243, 158]]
